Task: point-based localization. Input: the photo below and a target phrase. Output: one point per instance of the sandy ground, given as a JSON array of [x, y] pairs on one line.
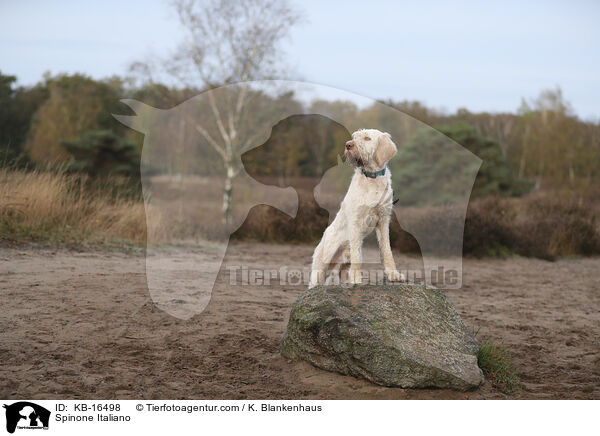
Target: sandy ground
[[82, 325]]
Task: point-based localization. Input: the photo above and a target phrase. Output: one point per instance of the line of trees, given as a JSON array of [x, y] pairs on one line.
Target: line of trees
[[543, 141]]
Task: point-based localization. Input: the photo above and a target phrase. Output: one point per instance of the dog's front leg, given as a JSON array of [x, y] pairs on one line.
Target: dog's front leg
[[383, 239], [355, 243]]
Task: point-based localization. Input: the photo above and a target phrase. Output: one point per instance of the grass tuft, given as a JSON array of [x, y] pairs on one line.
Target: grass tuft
[[496, 364]]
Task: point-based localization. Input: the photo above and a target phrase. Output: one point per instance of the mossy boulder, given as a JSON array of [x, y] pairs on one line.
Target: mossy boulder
[[404, 335]]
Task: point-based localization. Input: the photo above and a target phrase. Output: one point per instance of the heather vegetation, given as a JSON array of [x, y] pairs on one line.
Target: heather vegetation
[[71, 171]]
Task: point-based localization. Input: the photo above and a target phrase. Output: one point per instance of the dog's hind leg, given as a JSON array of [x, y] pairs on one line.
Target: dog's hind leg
[[324, 254], [340, 259]]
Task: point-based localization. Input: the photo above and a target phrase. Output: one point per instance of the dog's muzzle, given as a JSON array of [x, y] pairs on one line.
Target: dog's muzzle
[[353, 160]]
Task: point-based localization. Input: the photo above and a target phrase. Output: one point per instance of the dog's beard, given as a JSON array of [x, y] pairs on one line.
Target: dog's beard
[[353, 160]]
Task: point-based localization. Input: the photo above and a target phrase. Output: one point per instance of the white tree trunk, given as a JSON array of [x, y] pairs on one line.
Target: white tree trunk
[[227, 192]]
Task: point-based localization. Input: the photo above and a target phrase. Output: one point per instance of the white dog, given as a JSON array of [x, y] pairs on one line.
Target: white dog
[[366, 206]]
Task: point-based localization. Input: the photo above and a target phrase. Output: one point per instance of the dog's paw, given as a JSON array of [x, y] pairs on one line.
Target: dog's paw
[[395, 276]]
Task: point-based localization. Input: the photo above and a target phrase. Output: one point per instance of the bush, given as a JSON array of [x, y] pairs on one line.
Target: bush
[[562, 227], [103, 153], [267, 224], [435, 171], [495, 176], [489, 228], [545, 226]]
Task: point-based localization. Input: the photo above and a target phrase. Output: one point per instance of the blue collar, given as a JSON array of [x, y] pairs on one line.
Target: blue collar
[[375, 174]]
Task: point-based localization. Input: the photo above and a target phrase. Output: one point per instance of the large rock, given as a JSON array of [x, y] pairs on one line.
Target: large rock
[[393, 335]]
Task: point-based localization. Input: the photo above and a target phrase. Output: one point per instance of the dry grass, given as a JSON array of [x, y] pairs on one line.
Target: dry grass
[[62, 208], [57, 207]]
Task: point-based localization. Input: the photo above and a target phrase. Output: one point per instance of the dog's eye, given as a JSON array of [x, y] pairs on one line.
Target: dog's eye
[[367, 138]]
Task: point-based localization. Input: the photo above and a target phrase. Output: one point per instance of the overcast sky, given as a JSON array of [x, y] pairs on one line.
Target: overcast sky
[[450, 54]]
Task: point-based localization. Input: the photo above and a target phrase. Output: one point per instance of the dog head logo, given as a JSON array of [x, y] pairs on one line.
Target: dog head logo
[[330, 191], [197, 191], [26, 415]]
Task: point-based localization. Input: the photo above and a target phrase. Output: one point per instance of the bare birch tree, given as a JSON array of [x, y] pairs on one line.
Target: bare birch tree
[[227, 42]]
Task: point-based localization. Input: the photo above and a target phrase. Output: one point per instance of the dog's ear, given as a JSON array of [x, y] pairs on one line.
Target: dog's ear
[[386, 149]]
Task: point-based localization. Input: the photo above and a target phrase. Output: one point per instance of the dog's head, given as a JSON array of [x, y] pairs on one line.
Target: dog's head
[[370, 149]]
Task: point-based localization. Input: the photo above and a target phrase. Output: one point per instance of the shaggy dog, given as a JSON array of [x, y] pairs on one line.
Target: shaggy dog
[[366, 206]]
